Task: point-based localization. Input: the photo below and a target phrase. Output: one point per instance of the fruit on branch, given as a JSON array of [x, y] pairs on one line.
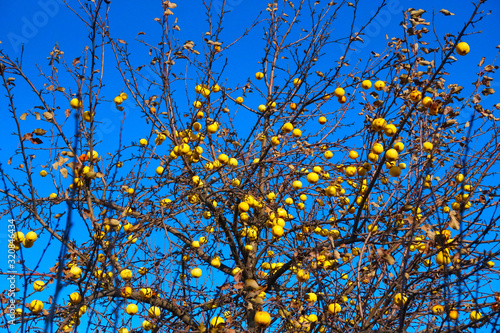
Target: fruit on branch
[[75, 103], [196, 272], [366, 84], [262, 318], [259, 75], [379, 85], [36, 306], [463, 48], [38, 285], [399, 299], [334, 308]]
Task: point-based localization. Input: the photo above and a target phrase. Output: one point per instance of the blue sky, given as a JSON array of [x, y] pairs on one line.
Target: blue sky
[[47, 22]]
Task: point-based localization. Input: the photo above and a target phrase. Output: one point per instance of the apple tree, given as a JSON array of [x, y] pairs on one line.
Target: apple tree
[[288, 176]]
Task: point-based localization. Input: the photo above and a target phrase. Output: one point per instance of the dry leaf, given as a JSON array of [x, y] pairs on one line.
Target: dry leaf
[[48, 115], [64, 172], [39, 131], [121, 41], [23, 116], [454, 223], [446, 12], [76, 61]]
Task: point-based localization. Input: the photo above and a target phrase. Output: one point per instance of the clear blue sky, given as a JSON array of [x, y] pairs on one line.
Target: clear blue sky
[[42, 24]]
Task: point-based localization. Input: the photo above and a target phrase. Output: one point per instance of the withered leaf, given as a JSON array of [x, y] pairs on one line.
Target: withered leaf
[[64, 172], [121, 41], [446, 12], [488, 91], [48, 115], [23, 116], [39, 131], [76, 61], [454, 223]]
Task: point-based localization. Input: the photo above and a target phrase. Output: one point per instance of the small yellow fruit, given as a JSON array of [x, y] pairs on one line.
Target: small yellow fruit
[[453, 314], [311, 297], [312, 177], [322, 120], [123, 96], [463, 48], [239, 100], [379, 85], [277, 231], [159, 170], [353, 154], [259, 75], [427, 102], [218, 321], [87, 116], [243, 206], [154, 312], [377, 148], [475, 315], [143, 142], [118, 100], [339, 92], [94, 156], [31, 237], [213, 127], [75, 103], [437, 309], [262, 318], [36, 306], [399, 146], [302, 275], [366, 84], [415, 96], [126, 274], [215, 262], [147, 325], [196, 272], [391, 155], [334, 308], [428, 146], [75, 297], [297, 82], [399, 299], [38, 285], [197, 105]]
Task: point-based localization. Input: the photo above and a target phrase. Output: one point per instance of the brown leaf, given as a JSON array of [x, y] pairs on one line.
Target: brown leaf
[[48, 115], [67, 112], [39, 131], [490, 68], [454, 223], [488, 91], [64, 172], [27, 136], [76, 61], [36, 141], [141, 33], [239, 285], [23, 116], [38, 116], [61, 89], [446, 12], [121, 41]]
